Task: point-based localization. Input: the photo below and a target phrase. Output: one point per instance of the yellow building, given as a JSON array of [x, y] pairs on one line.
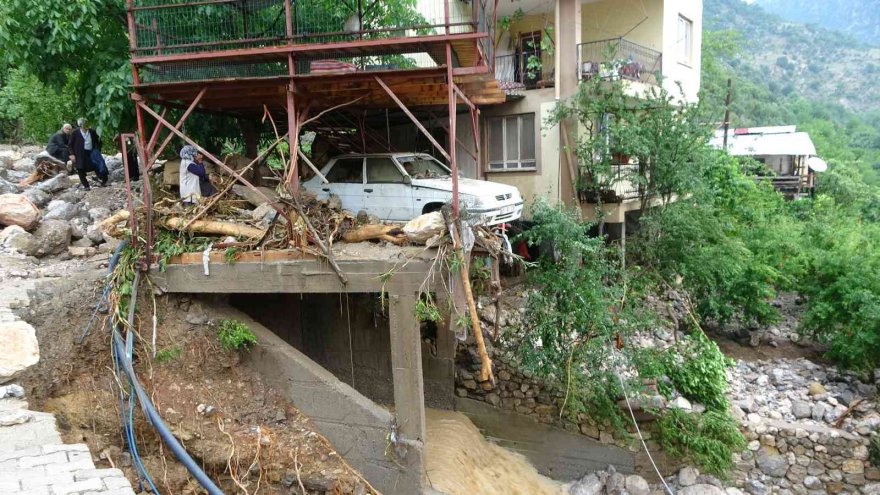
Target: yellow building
[[543, 48]]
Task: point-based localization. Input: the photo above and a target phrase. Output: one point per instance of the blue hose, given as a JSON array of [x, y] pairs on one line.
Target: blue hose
[[121, 359], [156, 420]]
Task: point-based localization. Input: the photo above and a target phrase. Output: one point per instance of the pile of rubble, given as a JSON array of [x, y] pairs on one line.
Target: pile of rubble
[[44, 213]]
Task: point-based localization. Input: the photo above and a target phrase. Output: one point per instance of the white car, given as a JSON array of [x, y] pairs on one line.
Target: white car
[[401, 186]]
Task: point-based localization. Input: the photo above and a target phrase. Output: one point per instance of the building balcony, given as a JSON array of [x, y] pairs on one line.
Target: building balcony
[[621, 184], [619, 59], [187, 40], [517, 72]]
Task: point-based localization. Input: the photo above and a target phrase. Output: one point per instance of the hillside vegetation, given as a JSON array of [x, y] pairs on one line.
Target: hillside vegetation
[[857, 18], [806, 60]]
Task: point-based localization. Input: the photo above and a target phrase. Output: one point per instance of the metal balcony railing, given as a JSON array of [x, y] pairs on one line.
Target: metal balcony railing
[[621, 184], [170, 27], [618, 58], [519, 71]]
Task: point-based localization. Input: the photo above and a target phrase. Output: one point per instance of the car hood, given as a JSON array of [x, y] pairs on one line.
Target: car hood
[[470, 187]]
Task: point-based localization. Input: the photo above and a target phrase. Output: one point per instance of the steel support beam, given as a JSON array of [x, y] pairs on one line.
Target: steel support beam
[[453, 164], [192, 106], [418, 125], [212, 158]]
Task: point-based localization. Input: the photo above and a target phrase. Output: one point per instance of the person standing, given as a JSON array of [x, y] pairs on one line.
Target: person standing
[[134, 171], [85, 153], [57, 146]]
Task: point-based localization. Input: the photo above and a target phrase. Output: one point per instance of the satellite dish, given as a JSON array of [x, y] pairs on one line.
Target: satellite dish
[[817, 164]]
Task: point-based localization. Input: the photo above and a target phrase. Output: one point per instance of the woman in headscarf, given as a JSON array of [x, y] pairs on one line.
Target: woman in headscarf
[[194, 180]]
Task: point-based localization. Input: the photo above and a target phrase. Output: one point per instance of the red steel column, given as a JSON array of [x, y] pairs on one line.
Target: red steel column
[[450, 85], [292, 131]]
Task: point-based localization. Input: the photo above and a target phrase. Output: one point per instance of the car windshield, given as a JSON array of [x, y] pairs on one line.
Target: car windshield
[[421, 167]]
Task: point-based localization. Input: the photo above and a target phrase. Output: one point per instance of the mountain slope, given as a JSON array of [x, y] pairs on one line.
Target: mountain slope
[[807, 60], [857, 18]]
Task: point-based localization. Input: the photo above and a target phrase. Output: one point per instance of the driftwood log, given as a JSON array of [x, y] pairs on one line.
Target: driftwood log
[[389, 233], [44, 168], [213, 227]]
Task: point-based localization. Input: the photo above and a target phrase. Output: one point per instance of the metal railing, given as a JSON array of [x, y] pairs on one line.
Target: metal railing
[[618, 58], [622, 183], [519, 71], [169, 27]]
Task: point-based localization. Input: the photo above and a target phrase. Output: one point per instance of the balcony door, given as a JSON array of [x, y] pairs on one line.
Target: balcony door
[[528, 48]]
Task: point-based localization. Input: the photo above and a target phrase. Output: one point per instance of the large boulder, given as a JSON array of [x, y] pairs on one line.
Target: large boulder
[[38, 197], [420, 229], [15, 237], [52, 237], [771, 463], [20, 348], [7, 187], [55, 184], [701, 489], [16, 209], [99, 213], [62, 211], [23, 165], [588, 485]]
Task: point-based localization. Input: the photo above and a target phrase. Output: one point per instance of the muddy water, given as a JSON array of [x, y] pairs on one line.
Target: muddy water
[[460, 461]]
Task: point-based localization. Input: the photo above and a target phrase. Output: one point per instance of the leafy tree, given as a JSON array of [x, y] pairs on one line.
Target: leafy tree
[[35, 110], [77, 44], [664, 136]]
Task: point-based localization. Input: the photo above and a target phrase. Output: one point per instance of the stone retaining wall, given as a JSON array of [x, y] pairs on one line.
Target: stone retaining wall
[[520, 392], [802, 458]]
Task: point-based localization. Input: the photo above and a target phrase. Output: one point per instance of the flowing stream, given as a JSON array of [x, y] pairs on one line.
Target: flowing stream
[[460, 461]]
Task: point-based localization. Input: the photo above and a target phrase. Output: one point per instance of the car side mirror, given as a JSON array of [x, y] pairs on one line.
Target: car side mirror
[[407, 179]]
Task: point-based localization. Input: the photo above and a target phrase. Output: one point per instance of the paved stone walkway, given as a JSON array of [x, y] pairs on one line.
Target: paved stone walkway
[[33, 458]]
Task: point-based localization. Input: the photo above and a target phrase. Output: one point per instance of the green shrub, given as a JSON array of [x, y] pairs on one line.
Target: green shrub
[[168, 354], [696, 367], [235, 335], [707, 440]]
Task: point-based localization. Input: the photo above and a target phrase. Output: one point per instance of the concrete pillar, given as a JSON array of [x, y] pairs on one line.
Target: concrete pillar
[[406, 366], [568, 35]]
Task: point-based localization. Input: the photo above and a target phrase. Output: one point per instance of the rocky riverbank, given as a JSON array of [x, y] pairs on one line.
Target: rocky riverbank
[[54, 217]]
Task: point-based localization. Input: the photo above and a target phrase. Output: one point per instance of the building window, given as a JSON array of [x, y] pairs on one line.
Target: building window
[[685, 39], [512, 142]]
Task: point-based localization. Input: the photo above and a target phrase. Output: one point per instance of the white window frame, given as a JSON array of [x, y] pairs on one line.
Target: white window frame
[[685, 40], [511, 164]]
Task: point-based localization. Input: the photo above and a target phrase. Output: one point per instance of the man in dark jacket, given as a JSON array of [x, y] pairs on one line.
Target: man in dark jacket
[[84, 144], [57, 146]]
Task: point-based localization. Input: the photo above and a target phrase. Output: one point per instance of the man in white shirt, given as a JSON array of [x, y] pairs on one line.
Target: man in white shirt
[[85, 153]]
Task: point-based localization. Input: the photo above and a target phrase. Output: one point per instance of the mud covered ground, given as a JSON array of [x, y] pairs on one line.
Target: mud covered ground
[[247, 437]]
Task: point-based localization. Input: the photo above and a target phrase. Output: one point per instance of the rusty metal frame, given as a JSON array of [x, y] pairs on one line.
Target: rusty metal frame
[[414, 120], [453, 163], [192, 106], [418, 42], [209, 156]]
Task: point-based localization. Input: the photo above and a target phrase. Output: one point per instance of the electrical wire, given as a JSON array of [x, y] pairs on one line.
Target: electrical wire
[[636, 423]]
